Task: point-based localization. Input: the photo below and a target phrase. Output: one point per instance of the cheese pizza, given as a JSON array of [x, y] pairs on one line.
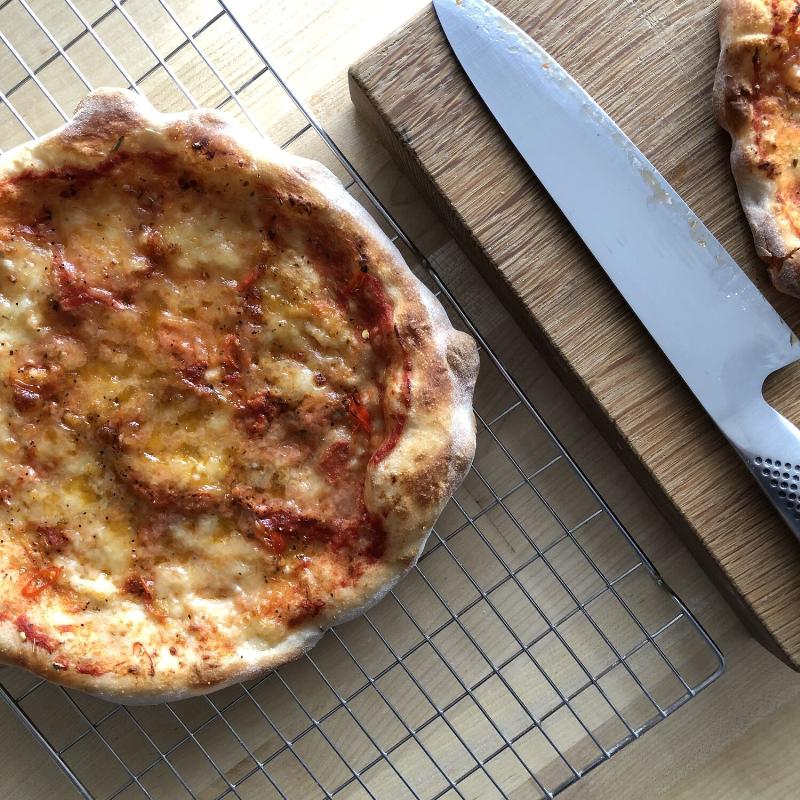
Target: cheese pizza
[[230, 413], [757, 100]]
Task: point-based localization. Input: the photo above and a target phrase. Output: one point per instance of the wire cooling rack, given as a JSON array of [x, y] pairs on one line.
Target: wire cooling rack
[[533, 640]]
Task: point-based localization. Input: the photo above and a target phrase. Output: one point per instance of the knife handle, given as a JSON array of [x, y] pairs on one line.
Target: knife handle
[[769, 444], [780, 480]]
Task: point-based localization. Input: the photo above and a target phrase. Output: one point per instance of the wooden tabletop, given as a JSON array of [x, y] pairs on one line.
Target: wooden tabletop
[[736, 740]]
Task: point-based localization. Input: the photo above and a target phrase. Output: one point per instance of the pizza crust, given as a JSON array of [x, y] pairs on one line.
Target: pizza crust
[[755, 32], [407, 489]]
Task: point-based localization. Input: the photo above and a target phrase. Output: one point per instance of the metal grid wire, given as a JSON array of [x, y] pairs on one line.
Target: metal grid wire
[[533, 640]]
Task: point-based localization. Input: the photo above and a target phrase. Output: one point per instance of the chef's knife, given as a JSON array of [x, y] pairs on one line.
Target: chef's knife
[[717, 329]]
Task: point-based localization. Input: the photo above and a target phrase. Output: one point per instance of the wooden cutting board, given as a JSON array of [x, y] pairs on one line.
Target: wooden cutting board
[[650, 63]]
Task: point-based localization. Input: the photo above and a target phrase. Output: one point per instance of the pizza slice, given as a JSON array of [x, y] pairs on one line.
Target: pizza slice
[[757, 100]]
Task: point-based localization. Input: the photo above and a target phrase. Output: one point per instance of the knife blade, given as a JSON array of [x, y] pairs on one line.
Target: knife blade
[[709, 319]]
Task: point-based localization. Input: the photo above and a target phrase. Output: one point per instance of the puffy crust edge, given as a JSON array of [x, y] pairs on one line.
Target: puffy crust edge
[[745, 25], [408, 489]]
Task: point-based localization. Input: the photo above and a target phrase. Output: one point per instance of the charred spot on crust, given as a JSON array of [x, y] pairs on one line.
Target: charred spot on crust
[[769, 168], [300, 203], [103, 117], [187, 182], [203, 147]]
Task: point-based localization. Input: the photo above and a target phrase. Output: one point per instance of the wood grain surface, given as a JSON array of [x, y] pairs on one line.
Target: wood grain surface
[[650, 63], [735, 740]]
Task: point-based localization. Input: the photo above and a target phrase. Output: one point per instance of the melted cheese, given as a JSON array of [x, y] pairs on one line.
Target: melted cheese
[[190, 401]]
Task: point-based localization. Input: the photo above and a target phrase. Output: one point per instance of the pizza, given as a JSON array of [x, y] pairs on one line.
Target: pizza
[[230, 413], [757, 100]]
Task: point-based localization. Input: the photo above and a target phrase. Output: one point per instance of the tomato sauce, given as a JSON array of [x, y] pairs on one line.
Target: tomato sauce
[[34, 635], [307, 609], [345, 267], [90, 669], [333, 461], [41, 580]]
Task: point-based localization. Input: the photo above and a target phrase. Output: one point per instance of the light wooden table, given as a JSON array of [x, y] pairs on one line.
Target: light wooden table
[[738, 739]]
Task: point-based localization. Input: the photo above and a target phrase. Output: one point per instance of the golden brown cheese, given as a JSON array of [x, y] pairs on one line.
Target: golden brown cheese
[[194, 386]]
